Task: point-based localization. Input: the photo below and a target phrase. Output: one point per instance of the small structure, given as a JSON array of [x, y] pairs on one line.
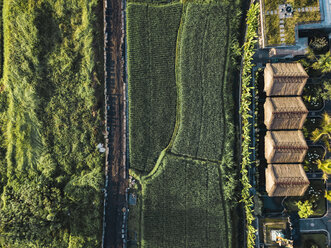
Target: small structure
[[271, 226], [284, 113], [285, 147], [286, 180], [284, 79]]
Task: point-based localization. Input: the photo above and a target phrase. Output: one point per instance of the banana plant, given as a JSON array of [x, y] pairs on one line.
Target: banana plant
[[324, 132]]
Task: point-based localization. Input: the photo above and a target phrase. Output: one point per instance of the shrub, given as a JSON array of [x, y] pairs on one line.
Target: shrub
[[305, 209]]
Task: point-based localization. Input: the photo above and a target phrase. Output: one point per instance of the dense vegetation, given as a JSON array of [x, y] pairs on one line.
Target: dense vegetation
[[184, 206], [152, 82], [252, 20], [51, 175], [186, 198]]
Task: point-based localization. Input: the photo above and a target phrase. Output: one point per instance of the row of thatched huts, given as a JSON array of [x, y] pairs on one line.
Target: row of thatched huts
[[284, 116]]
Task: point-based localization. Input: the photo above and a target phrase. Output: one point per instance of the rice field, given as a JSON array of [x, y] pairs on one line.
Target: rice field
[[152, 82], [186, 194], [184, 206]]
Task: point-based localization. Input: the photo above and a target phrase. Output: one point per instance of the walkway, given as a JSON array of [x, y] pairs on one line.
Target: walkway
[[115, 204]]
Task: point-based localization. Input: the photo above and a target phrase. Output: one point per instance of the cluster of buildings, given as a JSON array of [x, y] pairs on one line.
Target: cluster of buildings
[[284, 115]]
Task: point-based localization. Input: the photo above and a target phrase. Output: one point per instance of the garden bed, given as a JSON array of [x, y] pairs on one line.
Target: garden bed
[[303, 12], [314, 153], [312, 97], [308, 240], [310, 125], [314, 192]]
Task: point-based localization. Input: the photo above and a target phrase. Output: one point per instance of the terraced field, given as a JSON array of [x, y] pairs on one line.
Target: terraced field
[[201, 81], [186, 195], [184, 207], [152, 87]]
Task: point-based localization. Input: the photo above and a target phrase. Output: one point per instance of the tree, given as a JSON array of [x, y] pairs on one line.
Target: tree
[[320, 63], [328, 195], [326, 93], [325, 166], [324, 132], [305, 209], [323, 63]]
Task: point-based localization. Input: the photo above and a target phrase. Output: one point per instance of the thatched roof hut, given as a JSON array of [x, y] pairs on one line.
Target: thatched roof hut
[[286, 180], [285, 147], [284, 79], [284, 113]]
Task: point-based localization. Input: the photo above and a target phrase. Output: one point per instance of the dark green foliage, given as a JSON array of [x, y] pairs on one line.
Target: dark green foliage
[[52, 192], [186, 199], [152, 33], [184, 206], [1, 39], [202, 80]]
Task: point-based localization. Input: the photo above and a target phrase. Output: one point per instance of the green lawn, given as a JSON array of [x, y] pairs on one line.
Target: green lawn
[[152, 34], [271, 22], [52, 175]]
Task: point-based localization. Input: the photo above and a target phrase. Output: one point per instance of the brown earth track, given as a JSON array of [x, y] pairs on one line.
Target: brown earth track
[[115, 124]]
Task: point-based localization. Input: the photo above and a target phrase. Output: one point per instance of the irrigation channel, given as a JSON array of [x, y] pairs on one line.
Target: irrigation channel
[[116, 172]]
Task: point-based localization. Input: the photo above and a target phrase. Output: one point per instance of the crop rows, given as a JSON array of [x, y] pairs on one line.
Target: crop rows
[[183, 206], [186, 197], [152, 83], [201, 81]]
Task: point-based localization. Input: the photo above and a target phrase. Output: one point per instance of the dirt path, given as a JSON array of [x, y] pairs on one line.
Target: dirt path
[[114, 233]]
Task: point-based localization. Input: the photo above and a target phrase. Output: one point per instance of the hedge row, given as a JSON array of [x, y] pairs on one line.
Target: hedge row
[[152, 33], [252, 20]]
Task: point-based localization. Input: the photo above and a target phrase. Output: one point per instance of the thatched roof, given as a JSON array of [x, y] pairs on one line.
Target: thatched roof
[[285, 147], [286, 180], [284, 79], [284, 113]]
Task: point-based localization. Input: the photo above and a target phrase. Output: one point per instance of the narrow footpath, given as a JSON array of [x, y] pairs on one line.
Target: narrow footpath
[[115, 205]]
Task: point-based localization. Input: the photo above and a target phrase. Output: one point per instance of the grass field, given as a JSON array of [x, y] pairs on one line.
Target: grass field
[[186, 198], [53, 174], [184, 206], [152, 83]]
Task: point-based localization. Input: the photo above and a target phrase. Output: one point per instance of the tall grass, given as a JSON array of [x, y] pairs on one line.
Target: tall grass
[[52, 194]]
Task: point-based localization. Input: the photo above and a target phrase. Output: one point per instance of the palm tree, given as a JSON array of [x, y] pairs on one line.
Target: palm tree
[[324, 132], [323, 63], [328, 195], [325, 166]]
